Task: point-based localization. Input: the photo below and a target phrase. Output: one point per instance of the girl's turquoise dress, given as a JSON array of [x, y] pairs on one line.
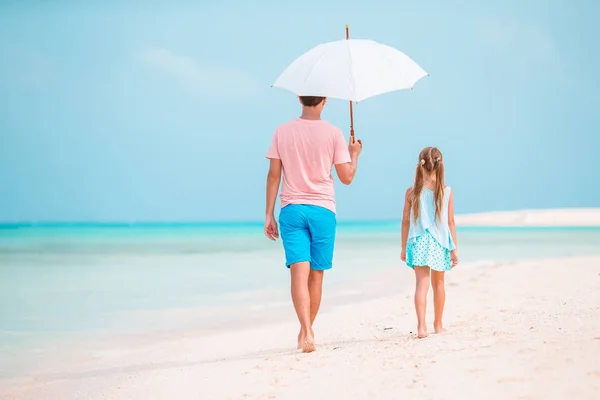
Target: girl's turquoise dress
[[429, 240]]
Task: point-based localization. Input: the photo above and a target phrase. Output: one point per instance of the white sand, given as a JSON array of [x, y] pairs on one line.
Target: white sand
[[558, 217], [528, 330]]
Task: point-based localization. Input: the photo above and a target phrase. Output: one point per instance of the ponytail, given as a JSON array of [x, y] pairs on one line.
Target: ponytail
[[417, 188], [439, 188]]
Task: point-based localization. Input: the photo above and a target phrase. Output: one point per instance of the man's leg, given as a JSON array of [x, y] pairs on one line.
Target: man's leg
[[322, 226], [296, 243], [302, 303], [315, 288]]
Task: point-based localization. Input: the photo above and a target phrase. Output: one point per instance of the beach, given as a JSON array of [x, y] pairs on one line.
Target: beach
[[522, 318], [526, 330], [538, 218]]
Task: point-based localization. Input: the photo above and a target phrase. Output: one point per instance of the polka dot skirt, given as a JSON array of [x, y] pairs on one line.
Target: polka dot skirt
[[426, 251]]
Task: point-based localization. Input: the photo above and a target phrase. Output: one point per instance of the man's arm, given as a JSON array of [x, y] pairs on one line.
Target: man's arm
[[347, 171], [273, 180], [346, 159]]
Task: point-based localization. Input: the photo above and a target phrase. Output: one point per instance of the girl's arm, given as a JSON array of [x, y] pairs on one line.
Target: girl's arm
[[451, 223], [406, 220]]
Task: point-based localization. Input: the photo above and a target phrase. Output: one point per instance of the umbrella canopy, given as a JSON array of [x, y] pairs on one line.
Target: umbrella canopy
[[352, 69]]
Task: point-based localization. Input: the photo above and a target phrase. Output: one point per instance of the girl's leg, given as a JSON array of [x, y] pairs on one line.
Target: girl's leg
[[422, 287], [439, 299]]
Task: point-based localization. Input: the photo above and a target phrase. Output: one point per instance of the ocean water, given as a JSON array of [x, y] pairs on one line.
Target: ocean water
[[62, 282]]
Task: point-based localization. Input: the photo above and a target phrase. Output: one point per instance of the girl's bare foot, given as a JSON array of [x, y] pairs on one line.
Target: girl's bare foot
[[306, 342], [309, 345], [421, 332], [438, 328], [301, 338]]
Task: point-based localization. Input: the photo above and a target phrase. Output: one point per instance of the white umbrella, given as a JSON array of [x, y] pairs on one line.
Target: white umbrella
[[351, 69]]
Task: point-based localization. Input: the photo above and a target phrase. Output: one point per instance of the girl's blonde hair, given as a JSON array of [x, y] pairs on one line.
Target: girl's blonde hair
[[430, 162]]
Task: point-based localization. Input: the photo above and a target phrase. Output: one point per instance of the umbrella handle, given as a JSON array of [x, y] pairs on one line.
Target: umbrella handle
[[351, 122], [351, 113]]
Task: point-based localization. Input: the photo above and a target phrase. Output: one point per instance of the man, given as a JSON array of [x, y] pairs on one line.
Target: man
[[305, 149]]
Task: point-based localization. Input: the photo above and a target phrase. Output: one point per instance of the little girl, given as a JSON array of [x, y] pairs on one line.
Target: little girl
[[429, 235]]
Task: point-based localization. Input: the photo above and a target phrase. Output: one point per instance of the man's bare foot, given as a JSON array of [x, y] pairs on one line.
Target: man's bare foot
[[438, 328], [308, 345], [421, 332]]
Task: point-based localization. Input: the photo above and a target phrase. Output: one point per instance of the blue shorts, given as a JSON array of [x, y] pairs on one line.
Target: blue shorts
[[308, 234]]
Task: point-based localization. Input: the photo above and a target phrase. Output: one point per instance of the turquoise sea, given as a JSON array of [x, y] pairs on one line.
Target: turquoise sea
[[65, 282]]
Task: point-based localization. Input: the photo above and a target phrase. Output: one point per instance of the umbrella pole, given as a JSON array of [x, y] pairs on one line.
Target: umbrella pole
[[351, 114]]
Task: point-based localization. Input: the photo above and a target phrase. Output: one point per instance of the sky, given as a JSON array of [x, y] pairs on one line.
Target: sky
[[163, 111]]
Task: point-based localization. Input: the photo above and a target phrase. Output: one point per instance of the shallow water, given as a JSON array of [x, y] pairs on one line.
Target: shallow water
[[59, 282]]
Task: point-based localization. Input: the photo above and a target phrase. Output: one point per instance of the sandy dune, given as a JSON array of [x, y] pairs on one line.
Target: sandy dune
[[557, 217], [527, 330]]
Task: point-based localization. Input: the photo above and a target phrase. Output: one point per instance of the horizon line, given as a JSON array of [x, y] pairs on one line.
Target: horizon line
[[343, 221], [166, 223]]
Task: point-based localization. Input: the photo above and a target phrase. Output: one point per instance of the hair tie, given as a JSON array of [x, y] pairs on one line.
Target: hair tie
[[422, 162], [437, 160]]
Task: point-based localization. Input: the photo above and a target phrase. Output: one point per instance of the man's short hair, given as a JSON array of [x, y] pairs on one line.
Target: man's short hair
[[311, 101]]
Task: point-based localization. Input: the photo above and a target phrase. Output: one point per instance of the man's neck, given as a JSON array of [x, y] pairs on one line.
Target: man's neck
[[311, 114]]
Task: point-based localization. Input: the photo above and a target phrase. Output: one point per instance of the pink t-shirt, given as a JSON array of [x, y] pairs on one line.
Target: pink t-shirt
[[308, 149]]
